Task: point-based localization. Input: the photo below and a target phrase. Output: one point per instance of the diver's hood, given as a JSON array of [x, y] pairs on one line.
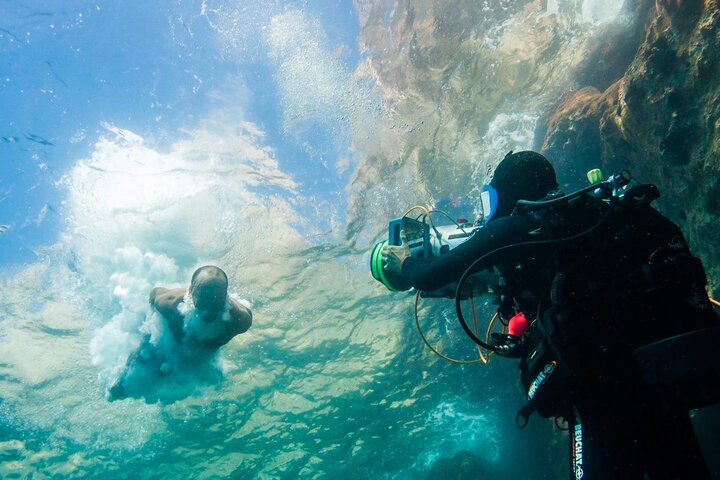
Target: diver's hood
[[520, 176]]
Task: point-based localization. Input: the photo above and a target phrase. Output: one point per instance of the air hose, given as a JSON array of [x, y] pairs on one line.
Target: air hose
[[483, 358], [477, 263]]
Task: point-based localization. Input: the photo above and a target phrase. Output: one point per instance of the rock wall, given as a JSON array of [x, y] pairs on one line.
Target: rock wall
[[640, 92], [661, 119], [462, 83]]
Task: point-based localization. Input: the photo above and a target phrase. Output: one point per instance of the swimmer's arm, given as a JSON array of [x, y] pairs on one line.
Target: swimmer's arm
[[241, 318], [154, 294], [166, 301], [164, 298], [161, 297]]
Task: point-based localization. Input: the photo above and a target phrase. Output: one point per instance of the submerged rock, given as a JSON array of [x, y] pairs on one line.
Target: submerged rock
[[660, 120]]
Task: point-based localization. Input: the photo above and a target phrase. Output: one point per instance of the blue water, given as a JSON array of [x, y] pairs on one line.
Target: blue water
[[139, 140], [151, 68]]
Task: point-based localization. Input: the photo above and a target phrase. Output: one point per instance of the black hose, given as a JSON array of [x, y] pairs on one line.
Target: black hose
[[529, 205], [477, 263]]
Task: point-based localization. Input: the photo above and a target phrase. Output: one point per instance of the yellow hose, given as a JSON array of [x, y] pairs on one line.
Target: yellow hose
[[482, 359], [714, 302], [425, 210], [417, 207], [487, 333], [475, 325]]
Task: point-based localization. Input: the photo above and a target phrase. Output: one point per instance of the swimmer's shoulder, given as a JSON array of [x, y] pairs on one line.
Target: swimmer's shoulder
[[166, 299], [241, 316]]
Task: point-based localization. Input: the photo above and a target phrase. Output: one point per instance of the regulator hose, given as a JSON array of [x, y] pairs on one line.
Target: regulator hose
[[477, 263]]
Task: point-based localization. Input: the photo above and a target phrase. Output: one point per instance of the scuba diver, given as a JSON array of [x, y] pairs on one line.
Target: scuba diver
[[590, 288]]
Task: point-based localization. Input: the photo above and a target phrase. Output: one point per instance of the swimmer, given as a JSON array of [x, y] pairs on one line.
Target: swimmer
[[201, 319]]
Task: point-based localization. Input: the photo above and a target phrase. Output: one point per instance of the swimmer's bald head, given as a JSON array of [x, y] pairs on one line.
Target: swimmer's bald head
[[208, 288]]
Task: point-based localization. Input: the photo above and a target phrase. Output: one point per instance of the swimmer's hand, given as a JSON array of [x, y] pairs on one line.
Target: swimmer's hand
[[393, 256]]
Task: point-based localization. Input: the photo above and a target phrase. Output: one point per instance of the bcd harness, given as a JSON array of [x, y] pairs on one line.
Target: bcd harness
[[587, 267]]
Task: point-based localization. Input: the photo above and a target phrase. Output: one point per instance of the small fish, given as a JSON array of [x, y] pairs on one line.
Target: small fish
[[37, 139], [4, 228], [8, 32], [52, 69], [43, 213]]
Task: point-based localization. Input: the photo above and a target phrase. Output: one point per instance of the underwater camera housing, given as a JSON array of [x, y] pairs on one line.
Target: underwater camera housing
[[425, 240]]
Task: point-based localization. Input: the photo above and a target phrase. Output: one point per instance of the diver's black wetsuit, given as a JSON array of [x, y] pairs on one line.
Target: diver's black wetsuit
[[623, 430]]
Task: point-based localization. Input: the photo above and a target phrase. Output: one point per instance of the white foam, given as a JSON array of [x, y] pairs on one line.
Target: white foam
[[601, 11], [462, 427], [135, 274], [588, 11], [322, 102], [507, 131], [317, 92], [552, 7]]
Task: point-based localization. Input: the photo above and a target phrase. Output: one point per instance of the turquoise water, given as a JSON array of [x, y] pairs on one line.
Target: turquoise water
[[274, 139]]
